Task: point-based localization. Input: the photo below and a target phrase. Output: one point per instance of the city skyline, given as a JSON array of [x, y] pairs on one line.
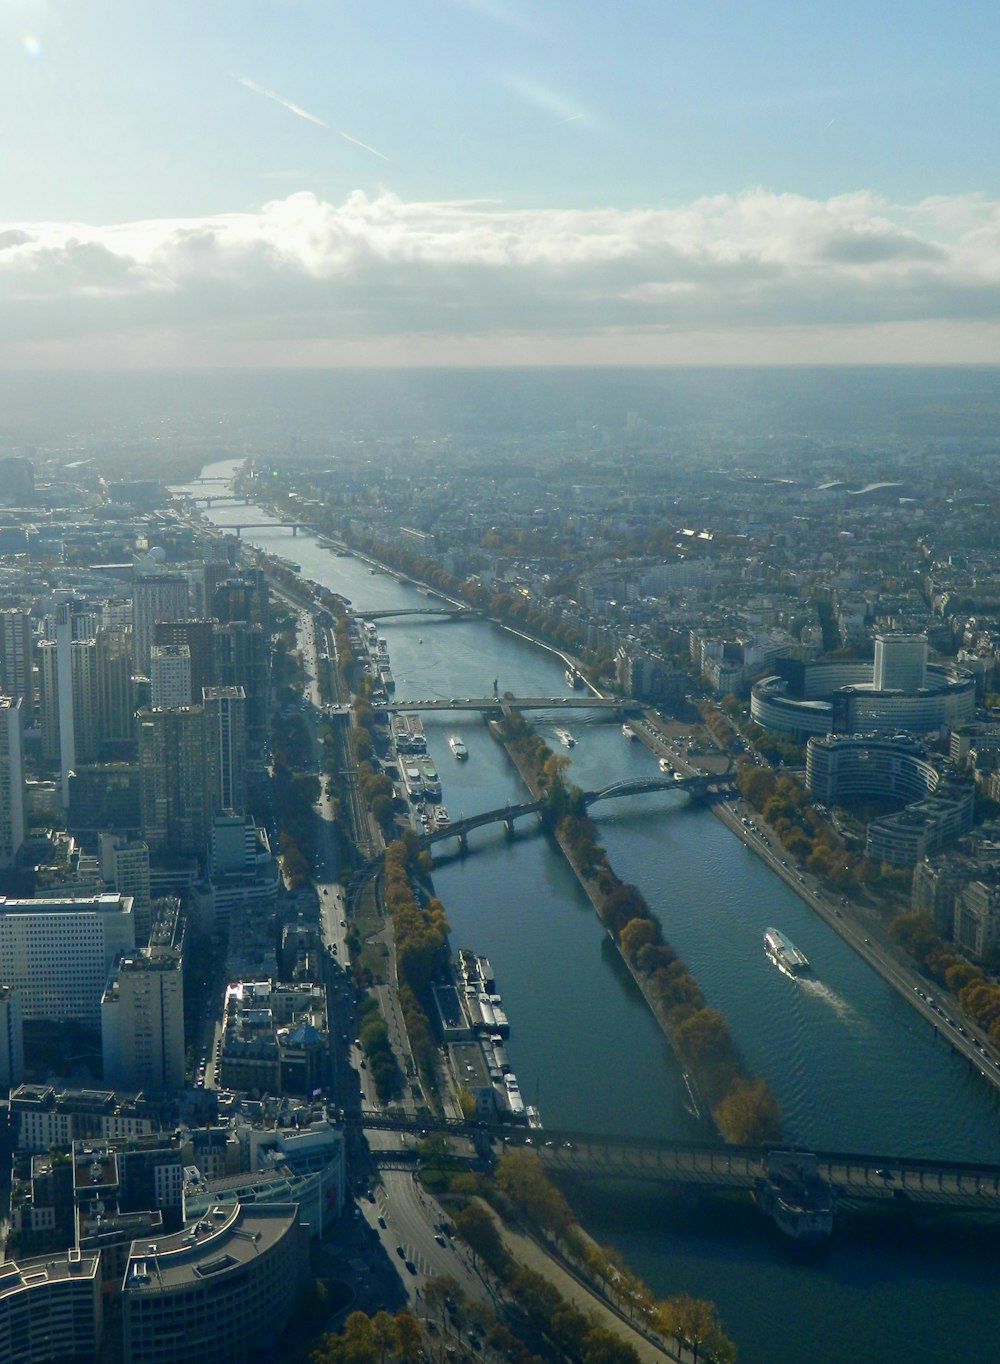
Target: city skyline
[[472, 182]]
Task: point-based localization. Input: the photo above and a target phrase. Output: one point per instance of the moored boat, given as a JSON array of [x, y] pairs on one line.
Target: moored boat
[[629, 732]]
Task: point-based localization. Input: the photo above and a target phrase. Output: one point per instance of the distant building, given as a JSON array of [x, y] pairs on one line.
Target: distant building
[[16, 661], [170, 675], [12, 788], [157, 596]]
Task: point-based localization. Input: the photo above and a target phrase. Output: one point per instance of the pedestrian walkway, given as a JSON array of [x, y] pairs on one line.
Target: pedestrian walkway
[[578, 1294]]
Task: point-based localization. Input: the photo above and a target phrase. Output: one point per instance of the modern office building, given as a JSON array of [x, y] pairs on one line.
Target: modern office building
[[170, 675], [198, 637], [227, 1282], [12, 789], [241, 660], [142, 1022], [51, 1310], [64, 694], [177, 780], [56, 954], [843, 768], [115, 693], [226, 744], [841, 697], [157, 596], [16, 661], [900, 662]]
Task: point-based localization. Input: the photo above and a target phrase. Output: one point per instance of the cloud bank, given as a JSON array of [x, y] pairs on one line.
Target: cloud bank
[[749, 277]]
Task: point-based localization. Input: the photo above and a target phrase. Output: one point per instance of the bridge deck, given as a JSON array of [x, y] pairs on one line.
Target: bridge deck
[[928, 1184]]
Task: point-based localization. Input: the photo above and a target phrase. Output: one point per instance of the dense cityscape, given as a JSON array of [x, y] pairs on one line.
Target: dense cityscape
[[260, 1090]]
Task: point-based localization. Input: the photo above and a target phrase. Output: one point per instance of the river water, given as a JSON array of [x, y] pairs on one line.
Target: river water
[[852, 1066]]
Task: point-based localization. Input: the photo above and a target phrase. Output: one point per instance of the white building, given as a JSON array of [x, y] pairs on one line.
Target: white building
[[56, 954]]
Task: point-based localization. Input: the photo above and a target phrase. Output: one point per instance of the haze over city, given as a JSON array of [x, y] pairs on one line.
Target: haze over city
[[483, 182]]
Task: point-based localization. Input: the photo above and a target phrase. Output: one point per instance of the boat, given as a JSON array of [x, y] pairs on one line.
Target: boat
[[665, 766], [458, 747], [441, 818], [785, 955], [629, 733], [574, 679], [564, 737], [514, 1100], [432, 782], [413, 781]]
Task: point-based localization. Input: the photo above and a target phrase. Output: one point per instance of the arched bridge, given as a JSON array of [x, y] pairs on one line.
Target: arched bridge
[[698, 786], [454, 612]]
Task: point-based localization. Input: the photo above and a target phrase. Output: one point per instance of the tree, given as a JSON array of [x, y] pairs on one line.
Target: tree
[[383, 1333], [477, 1227], [408, 1337]]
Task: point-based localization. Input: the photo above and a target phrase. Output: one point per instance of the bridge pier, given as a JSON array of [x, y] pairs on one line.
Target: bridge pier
[[508, 825], [295, 532], [463, 842]]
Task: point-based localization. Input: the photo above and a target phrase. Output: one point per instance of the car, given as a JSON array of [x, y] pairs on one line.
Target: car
[[440, 1239], [401, 1252], [381, 1221], [363, 1064], [885, 1174], [410, 1266], [343, 923], [370, 1196]]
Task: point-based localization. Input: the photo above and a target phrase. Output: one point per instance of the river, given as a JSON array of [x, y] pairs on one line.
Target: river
[[852, 1066]]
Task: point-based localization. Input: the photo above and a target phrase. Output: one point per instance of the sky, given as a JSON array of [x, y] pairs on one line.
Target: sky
[[441, 182]]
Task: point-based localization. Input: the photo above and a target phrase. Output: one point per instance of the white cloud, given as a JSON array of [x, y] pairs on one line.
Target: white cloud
[[305, 276]]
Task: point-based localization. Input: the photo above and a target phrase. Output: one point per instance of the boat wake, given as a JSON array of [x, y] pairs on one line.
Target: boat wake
[[832, 1000]]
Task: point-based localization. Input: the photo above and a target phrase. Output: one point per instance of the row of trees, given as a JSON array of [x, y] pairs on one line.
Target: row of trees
[[374, 1037], [420, 933], [978, 995], [523, 1183], [787, 808], [372, 1340]]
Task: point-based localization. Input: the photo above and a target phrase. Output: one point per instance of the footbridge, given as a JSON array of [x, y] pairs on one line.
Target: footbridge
[[701, 787], [924, 1186]]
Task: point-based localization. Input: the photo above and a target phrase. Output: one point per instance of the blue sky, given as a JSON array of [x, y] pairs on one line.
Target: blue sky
[[493, 181]]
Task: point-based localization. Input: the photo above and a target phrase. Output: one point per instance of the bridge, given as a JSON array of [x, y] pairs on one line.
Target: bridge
[[699, 787], [455, 612], [608, 703], [923, 1186], [293, 526]]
